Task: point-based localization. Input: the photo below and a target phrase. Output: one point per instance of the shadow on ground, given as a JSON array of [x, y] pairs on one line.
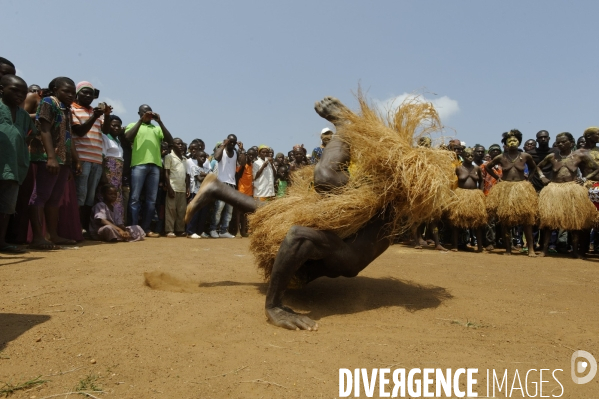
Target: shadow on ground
[[12, 325], [325, 297]]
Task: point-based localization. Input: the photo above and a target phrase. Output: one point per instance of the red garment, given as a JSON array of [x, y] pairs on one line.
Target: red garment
[[488, 180]]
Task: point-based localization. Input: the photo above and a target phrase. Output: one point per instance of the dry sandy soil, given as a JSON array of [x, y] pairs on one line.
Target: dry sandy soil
[[85, 319]]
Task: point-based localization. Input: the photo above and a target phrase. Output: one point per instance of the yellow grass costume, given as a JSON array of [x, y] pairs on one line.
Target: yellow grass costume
[[514, 203], [566, 206], [388, 172], [469, 210]]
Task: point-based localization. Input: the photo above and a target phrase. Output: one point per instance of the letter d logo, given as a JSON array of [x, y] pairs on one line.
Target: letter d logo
[[580, 366]]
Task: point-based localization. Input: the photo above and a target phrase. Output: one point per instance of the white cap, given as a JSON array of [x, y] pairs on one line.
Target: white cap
[[326, 130], [463, 143]]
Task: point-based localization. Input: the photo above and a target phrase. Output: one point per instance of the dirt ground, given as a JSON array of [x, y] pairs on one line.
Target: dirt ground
[[83, 319]]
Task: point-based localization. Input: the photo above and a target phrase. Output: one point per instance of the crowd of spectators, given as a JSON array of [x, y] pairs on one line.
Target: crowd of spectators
[[73, 171]]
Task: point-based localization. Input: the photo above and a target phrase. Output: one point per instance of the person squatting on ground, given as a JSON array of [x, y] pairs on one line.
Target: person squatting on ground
[[227, 157], [513, 199], [564, 203], [469, 212], [15, 126], [348, 220], [177, 189], [103, 225]]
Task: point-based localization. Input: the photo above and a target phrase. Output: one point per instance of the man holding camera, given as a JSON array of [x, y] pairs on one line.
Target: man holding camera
[[227, 157], [146, 163], [87, 137]]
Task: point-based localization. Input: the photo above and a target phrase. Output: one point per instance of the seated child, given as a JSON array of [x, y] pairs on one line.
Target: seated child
[[102, 224]]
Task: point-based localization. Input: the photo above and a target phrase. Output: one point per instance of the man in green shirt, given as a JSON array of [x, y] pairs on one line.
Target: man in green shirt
[[145, 164], [15, 125]]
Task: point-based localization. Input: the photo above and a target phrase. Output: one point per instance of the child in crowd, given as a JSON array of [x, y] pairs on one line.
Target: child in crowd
[[177, 186], [53, 154], [15, 125], [197, 172], [102, 224], [282, 181]]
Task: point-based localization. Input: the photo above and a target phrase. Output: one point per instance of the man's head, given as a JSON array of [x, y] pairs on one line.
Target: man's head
[[530, 145], [143, 109], [478, 153], [63, 88], [564, 141], [251, 155], [7, 67], [178, 146], [164, 148], [232, 142], [34, 89], [326, 135], [85, 93], [263, 151], [299, 152], [193, 149], [201, 157], [456, 146], [13, 89], [494, 150], [543, 138], [591, 136], [580, 142]]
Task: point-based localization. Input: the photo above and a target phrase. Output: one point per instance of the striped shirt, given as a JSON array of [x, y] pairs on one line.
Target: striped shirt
[[89, 147]]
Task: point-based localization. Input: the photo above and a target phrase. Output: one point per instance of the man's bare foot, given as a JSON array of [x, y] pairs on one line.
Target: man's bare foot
[[489, 248], [440, 248], [507, 253], [202, 198], [287, 318], [542, 254], [43, 245], [62, 241], [331, 109], [532, 254], [454, 250], [417, 246]]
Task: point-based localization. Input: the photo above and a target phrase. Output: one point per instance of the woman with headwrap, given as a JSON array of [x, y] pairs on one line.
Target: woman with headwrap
[[113, 163], [513, 199]]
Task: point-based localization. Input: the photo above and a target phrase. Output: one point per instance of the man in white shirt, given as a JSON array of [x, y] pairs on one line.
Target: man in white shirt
[[226, 156], [264, 174]]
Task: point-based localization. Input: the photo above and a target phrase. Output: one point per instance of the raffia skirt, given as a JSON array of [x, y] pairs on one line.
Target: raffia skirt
[[514, 203], [566, 206], [470, 209]]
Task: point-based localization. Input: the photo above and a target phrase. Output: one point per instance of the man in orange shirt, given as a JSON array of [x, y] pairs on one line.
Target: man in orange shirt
[[245, 185]]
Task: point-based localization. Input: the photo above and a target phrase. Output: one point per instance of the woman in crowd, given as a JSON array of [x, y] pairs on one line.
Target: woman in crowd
[[113, 162], [513, 199]]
